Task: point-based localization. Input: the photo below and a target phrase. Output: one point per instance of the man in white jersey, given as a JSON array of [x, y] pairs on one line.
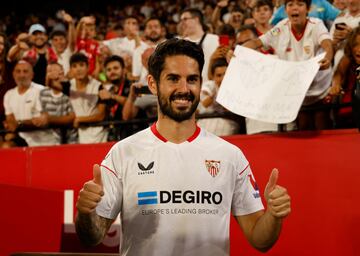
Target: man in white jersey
[[174, 184]]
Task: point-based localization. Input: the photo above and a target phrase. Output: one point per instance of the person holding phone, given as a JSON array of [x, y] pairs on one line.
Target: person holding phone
[[345, 79], [342, 27]]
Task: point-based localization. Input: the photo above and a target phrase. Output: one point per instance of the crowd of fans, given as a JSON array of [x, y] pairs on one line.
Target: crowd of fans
[[66, 72]]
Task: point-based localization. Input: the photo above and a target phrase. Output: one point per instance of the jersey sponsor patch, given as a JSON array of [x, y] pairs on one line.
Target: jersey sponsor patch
[[179, 197], [255, 186], [213, 167], [307, 49], [146, 169], [275, 31]]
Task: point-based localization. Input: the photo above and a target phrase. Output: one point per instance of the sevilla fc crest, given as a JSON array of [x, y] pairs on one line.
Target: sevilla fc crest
[[213, 167]]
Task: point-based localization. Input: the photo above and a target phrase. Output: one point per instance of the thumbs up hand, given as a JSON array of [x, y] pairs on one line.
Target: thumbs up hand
[[91, 193], [277, 198]]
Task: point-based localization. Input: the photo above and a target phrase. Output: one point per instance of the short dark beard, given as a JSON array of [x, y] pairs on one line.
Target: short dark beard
[[116, 81], [40, 46], [154, 40], [178, 116]]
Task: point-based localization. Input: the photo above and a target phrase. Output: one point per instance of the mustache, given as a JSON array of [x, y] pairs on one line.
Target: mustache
[[182, 96]]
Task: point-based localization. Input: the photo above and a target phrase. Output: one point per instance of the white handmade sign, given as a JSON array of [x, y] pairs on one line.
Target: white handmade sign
[[264, 88]]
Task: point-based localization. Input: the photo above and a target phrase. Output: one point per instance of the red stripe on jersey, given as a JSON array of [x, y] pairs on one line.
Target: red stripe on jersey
[[107, 168], [244, 169], [298, 37], [157, 133], [194, 136]]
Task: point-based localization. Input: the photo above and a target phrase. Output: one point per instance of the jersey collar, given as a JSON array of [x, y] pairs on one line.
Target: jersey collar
[[298, 37], [160, 137]]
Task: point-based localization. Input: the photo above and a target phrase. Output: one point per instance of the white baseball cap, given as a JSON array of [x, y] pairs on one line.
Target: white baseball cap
[[36, 27]]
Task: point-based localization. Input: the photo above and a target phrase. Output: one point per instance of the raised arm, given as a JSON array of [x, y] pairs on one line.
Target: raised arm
[[90, 227], [328, 48], [16, 51], [339, 76], [129, 110], [215, 17], [71, 30], [262, 229]]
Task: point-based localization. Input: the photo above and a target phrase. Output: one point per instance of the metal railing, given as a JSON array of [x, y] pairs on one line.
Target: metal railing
[[146, 121]]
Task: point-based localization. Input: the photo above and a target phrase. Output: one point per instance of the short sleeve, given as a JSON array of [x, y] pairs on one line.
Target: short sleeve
[[43, 99], [322, 32], [270, 38], [38, 106], [246, 197], [136, 61], [111, 203], [7, 106]]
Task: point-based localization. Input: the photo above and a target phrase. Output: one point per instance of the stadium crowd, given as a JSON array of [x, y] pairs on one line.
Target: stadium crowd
[[61, 74]]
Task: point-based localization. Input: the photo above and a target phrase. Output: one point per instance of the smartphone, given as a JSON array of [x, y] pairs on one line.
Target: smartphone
[[224, 40], [142, 90], [339, 26]]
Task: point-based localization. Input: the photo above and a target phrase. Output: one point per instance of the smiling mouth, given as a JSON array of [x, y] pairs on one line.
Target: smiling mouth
[[295, 15], [182, 100], [182, 97]]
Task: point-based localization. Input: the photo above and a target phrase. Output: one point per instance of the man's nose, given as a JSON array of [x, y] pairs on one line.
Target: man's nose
[[183, 86]]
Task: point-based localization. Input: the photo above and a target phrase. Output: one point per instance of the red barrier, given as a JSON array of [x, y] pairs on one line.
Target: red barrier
[[321, 173], [319, 170], [31, 219], [14, 166]]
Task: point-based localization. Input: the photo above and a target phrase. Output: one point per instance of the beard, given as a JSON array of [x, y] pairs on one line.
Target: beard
[[116, 81], [38, 46], [153, 39], [175, 114]]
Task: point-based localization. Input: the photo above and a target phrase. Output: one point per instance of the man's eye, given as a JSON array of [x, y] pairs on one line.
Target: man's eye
[[193, 79], [173, 79]]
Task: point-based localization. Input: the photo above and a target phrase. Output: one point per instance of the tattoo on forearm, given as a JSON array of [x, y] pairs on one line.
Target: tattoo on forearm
[[91, 228]]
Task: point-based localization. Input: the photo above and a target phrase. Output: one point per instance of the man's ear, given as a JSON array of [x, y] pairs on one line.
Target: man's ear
[[152, 84]]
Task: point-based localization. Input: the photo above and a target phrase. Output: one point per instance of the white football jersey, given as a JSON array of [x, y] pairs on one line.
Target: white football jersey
[[289, 47], [176, 199]]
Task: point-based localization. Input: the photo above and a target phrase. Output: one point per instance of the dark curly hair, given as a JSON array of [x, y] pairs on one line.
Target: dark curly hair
[[173, 47]]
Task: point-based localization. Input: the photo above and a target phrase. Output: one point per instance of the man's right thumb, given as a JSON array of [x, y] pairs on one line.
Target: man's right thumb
[[97, 174]]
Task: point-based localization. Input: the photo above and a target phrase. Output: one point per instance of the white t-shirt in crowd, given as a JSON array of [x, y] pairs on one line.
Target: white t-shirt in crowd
[[138, 69], [288, 47], [85, 104], [25, 107], [176, 199], [64, 59], [209, 45]]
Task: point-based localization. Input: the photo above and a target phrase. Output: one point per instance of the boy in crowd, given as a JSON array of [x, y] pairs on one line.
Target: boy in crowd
[[84, 97], [57, 106], [209, 90], [300, 38]]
